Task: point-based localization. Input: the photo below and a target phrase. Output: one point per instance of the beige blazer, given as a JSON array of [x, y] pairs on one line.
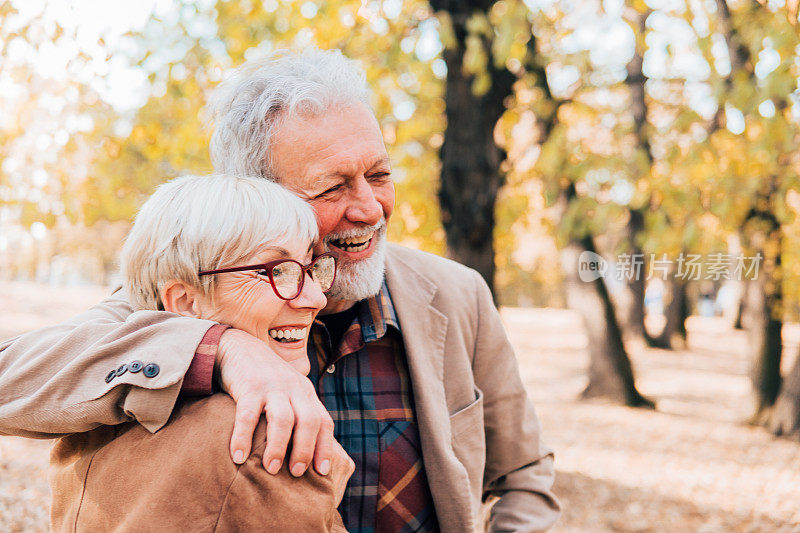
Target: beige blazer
[[123, 478], [480, 435]]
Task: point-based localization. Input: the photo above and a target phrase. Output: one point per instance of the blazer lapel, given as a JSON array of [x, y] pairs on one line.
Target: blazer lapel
[[424, 329]]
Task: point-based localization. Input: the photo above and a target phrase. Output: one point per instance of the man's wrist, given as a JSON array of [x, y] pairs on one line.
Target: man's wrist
[[198, 380]]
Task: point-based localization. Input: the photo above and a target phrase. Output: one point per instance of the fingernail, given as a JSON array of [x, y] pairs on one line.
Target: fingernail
[[274, 466], [238, 457], [298, 469], [325, 467]]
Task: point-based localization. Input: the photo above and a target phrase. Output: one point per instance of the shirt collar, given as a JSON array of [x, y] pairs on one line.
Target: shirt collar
[[376, 314]]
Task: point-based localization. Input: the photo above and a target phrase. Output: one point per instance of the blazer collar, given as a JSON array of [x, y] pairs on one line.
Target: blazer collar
[[424, 329]]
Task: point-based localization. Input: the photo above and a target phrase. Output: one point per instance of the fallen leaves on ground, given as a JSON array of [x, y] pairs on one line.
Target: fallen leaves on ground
[[691, 465]]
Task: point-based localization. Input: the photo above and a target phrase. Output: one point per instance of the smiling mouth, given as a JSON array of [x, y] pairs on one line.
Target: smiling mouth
[[353, 244], [288, 334]]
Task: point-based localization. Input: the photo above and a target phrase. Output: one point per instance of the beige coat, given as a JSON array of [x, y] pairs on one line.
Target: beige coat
[[123, 478], [480, 435]]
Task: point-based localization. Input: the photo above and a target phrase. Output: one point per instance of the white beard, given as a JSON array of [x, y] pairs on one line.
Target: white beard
[[358, 280]]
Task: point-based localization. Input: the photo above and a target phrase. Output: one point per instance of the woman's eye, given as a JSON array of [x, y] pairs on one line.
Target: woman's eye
[[263, 273]]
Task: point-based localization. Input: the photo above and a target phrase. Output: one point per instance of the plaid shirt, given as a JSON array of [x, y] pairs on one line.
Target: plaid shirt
[[365, 386]]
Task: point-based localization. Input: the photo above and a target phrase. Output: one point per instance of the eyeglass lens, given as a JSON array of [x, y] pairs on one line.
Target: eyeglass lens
[[323, 271], [288, 275]]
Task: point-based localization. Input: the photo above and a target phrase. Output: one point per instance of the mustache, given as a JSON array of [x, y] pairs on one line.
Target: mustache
[[356, 232]]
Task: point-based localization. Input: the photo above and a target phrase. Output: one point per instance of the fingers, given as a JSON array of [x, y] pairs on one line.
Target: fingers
[[342, 467], [351, 466], [280, 420], [342, 461], [323, 453], [260, 381], [248, 411], [307, 423]]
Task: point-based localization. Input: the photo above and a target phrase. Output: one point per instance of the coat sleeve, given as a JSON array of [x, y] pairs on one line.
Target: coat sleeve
[[57, 380], [519, 467]]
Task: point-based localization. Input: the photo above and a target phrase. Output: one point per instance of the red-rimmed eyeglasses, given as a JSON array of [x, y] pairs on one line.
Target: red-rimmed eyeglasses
[[287, 275]]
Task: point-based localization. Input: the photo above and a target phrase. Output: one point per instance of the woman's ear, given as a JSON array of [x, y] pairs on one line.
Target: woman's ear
[[181, 298]]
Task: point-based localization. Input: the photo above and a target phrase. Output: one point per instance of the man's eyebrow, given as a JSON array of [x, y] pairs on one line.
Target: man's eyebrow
[[381, 160], [342, 174]]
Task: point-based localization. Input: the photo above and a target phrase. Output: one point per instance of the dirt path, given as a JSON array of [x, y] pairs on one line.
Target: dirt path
[[689, 466]]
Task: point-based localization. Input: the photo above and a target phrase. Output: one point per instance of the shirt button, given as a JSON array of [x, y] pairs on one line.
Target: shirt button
[[331, 369]]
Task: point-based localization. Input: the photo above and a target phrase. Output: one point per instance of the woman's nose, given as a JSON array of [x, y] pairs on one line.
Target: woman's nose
[[311, 296]]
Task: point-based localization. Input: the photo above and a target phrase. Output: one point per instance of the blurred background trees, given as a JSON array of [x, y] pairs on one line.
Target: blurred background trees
[[660, 135]]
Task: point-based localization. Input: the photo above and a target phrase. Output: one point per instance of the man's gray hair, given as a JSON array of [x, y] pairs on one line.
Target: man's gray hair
[[246, 108], [195, 223]]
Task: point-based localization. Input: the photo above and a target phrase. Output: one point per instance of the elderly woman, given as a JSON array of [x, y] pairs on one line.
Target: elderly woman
[[237, 251]]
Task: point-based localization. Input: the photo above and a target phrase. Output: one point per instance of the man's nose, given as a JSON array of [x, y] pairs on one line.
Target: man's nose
[[311, 297], [363, 206]]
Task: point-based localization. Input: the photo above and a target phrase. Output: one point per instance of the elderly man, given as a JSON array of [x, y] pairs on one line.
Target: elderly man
[[410, 358]]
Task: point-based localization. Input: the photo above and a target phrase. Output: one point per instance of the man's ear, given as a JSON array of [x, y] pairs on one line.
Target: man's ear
[[181, 298]]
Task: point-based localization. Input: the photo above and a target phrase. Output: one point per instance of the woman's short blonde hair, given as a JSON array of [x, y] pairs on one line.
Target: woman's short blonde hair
[[195, 223]]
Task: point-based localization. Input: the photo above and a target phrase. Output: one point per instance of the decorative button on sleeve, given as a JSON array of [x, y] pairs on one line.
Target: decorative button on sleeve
[[151, 370]]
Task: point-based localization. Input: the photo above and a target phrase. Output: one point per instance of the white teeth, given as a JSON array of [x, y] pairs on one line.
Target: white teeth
[[358, 240], [354, 244], [288, 335]]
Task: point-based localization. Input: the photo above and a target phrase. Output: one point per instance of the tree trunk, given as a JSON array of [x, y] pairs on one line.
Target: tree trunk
[[741, 308], [683, 310], [676, 311], [634, 325], [764, 307], [764, 295], [785, 419], [610, 370], [764, 334], [635, 80], [471, 175]]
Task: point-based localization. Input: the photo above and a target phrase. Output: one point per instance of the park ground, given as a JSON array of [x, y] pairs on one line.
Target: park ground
[[691, 465]]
